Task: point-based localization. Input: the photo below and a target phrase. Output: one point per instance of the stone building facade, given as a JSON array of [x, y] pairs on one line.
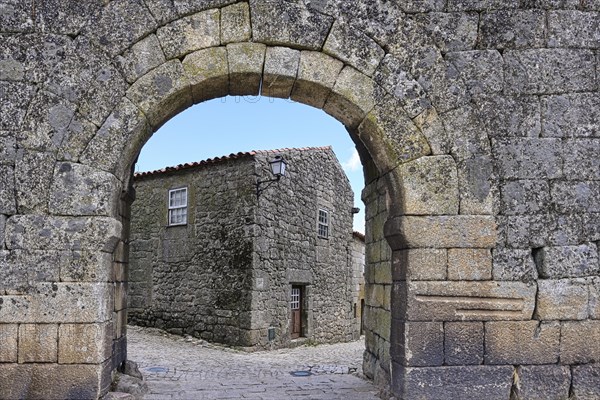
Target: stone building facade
[[477, 125], [236, 268]]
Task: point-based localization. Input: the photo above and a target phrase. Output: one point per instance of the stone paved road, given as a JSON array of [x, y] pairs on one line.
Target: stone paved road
[[186, 368]]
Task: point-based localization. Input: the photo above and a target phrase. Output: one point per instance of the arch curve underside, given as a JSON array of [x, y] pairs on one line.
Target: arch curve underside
[[482, 228]]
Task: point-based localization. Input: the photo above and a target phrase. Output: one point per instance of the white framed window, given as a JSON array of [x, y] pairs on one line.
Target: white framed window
[[323, 224], [178, 206], [295, 303]]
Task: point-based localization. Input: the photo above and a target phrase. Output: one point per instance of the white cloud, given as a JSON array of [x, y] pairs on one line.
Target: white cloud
[[353, 163]]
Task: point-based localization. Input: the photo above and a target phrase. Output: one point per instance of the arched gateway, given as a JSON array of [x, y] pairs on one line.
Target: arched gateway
[[480, 149]]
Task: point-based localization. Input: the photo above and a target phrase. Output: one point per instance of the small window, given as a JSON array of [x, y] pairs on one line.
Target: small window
[[323, 226], [178, 206]]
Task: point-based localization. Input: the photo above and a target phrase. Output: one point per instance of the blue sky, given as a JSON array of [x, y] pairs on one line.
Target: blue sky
[[231, 124]]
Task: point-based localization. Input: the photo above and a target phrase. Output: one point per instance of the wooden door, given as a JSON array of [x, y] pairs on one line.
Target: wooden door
[[296, 309]]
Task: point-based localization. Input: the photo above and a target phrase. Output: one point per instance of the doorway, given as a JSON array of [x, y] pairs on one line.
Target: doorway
[[296, 307]]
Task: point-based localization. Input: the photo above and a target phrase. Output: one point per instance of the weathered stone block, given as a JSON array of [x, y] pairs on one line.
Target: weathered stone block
[[573, 28], [38, 343], [581, 162], [543, 382], [442, 383], [509, 116], [184, 7], [283, 23], [549, 71], [67, 381], [352, 97], [481, 70], [161, 93], [521, 342], [579, 342], [586, 382], [468, 301], [317, 74], [353, 47], [33, 174], [62, 233], [562, 299], [423, 344], [576, 196], [141, 58], [235, 23], [8, 340], [8, 148], [531, 231], [387, 130], [463, 343], [81, 190], [8, 202], [528, 158], [524, 197], [208, 73], [46, 123], [59, 303], [14, 99], [77, 137], [513, 265], [392, 76], [512, 29], [104, 91], [377, 295], [84, 343], [118, 140], [281, 69], [459, 231], [121, 24], [576, 114], [246, 61], [419, 264], [120, 296], [469, 264], [2, 226], [450, 31], [191, 33], [594, 288], [429, 186], [568, 261]]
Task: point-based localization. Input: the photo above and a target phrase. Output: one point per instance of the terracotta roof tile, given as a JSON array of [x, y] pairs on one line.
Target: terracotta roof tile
[[216, 160]]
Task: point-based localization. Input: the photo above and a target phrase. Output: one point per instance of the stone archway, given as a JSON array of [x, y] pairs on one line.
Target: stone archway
[[447, 135]]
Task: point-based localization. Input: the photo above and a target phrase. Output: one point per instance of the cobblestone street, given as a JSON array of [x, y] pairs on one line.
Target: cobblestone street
[[188, 368]]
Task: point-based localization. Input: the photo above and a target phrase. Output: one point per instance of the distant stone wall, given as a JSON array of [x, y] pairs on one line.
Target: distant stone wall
[[195, 279], [357, 254], [226, 276], [290, 252], [378, 285]]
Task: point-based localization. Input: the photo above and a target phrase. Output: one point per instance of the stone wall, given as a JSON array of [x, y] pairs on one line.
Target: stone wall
[[287, 225], [226, 276], [195, 279], [357, 254], [478, 117]]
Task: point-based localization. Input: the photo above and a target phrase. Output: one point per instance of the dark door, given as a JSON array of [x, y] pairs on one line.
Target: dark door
[[296, 307]]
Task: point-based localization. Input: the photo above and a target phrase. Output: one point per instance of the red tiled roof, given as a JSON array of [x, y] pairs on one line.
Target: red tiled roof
[[216, 160], [358, 235]]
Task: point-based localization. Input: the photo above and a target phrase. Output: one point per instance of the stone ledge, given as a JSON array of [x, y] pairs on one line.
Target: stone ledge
[[443, 383], [464, 301], [461, 231]]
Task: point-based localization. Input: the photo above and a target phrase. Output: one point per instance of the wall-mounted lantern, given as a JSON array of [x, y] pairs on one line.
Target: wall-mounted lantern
[[277, 165]]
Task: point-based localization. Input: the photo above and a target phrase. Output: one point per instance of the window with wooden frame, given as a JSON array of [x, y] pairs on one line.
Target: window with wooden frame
[[178, 206], [323, 224]]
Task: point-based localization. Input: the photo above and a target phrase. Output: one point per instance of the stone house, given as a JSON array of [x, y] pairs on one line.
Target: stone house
[[210, 258]]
